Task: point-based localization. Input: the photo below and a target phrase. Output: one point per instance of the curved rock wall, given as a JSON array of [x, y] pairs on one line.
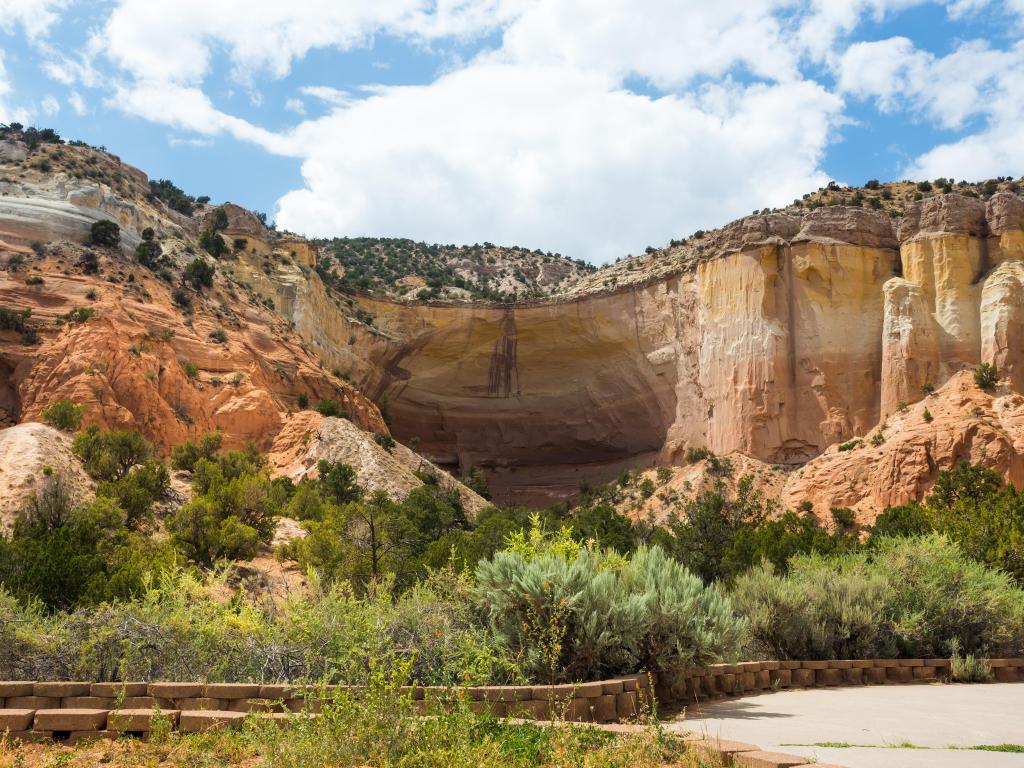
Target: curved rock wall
[[795, 335]]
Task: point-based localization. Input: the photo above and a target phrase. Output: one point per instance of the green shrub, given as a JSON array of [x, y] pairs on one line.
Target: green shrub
[[205, 535], [850, 445], [218, 336], [173, 630], [180, 297], [137, 492], [918, 597], [110, 455], [90, 263], [942, 597], [718, 537], [65, 556], [968, 669], [385, 441], [187, 455], [14, 320], [823, 609], [105, 233], [233, 510], [199, 274], [331, 408], [303, 401], [693, 455], [79, 315], [362, 540], [63, 414], [191, 369], [904, 520], [148, 253], [986, 376], [212, 243], [573, 613], [174, 197]]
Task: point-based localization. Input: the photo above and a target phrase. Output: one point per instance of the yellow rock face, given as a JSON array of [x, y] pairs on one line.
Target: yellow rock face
[[773, 350]]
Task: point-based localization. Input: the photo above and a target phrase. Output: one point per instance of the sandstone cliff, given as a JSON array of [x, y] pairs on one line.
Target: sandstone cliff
[[775, 337], [796, 334]]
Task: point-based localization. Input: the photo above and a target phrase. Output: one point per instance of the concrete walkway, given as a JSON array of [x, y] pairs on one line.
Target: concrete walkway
[[936, 716]]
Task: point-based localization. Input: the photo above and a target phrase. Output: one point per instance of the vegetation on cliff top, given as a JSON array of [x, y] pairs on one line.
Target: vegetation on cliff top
[[404, 268]]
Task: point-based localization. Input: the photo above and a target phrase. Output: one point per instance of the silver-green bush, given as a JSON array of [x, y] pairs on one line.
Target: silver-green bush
[[906, 596], [585, 614]]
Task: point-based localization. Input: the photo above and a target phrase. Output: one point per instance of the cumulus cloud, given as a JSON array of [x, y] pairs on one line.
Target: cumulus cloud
[[554, 157], [668, 43], [266, 36], [973, 81], [994, 150], [586, 126], [948, 89]]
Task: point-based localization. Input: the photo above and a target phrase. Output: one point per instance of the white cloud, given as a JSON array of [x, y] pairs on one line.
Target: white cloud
[[34, 16], [948, 89], [178, 141], [669, 42], [972, 81], [190, 109], [5, 89], [556, 158], [996, 149], [49, 105], [266, 36], [331, 96], [8, 113], [538, 140], [77, 103]]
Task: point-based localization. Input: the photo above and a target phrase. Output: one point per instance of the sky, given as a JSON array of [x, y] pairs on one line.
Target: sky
[[593, 128]]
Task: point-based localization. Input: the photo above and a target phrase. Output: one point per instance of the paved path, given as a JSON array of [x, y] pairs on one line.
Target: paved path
[[935, 716]]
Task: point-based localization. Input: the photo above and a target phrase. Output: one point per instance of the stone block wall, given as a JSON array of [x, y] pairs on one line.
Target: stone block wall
[[71, 711], [764, 676]]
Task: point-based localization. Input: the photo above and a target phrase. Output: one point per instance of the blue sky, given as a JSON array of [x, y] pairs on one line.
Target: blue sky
[[589, 127]]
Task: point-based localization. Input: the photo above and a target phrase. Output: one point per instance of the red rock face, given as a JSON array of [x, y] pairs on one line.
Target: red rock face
[[141, 363], [958, 423]]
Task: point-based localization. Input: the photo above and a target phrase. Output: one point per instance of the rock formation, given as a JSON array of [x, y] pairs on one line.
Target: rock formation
[[28, 453], [775, 337], [308, 437]]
